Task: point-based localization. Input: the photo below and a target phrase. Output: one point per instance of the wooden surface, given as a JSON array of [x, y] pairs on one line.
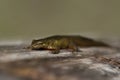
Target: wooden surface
[[94, 63]]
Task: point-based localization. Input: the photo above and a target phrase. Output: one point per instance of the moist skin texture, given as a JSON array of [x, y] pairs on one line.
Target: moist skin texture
[[57, 42]]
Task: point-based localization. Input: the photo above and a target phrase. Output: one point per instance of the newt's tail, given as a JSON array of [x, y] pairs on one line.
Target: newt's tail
[[86, 42], [100, 44]]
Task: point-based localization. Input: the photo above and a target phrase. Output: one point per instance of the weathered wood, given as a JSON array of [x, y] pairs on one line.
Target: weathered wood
[[95, 63]]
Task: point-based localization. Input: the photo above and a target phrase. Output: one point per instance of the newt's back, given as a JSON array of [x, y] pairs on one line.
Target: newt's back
[[80, 41]]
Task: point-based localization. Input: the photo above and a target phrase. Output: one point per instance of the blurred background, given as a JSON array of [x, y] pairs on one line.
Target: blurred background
[[28, 19]]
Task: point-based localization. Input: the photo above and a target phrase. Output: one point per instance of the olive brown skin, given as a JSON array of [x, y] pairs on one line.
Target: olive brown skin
[[57, 42]]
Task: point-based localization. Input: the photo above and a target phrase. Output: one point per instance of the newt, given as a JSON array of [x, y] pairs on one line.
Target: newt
[[57, 42]]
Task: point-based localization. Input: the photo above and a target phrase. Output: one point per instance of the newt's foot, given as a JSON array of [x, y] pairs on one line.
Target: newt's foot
[[76, 51], [55, 51]]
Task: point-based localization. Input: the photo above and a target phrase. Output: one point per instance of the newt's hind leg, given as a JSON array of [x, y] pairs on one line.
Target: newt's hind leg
[[56, 51], [73, 47]]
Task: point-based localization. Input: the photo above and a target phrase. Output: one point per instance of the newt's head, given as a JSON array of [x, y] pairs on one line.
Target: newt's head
[[43, 44]]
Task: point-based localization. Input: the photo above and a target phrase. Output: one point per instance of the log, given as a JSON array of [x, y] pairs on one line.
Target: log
[[93, 63]]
